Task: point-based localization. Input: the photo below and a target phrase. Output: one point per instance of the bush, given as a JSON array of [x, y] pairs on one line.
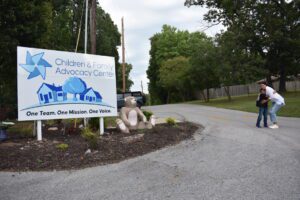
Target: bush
[[148, 114], [110, 121], [53, 122], [171, 121], [90, 137], [24, 129], [62, 146], [94, 123]]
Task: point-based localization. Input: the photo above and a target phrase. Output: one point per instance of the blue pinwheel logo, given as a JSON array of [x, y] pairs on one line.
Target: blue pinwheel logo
[[35, 65]]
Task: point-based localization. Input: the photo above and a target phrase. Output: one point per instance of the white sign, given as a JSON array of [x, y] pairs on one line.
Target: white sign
[[58, 85]]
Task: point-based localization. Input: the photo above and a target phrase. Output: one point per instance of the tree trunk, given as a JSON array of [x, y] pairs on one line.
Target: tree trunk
[[207, 94], [248, 90], [282, 80], [227, 91], [183, 96], [203, 95]]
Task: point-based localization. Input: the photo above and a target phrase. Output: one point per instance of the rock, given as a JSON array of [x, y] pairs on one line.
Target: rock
[[88, 152], [133, 138], [94, 152], [55, 142], [52, 129], [81, 126]]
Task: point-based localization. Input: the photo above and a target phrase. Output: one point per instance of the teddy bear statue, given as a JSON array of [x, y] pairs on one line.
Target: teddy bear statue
[[132, 118]]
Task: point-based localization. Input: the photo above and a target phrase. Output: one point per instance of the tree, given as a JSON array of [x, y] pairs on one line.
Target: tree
[[23, 23], [49, 24], [235, 64], [168, 44], [269, 28], [174, 77], [128, 81], [203, 69], [74, 85]]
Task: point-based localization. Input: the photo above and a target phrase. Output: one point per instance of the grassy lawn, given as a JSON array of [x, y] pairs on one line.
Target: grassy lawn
[[247, 103]]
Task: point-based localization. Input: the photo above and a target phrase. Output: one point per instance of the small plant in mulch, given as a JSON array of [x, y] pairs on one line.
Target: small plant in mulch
[[171, 121], [62, 146], [90, 137], [39, 161], [148, 114]]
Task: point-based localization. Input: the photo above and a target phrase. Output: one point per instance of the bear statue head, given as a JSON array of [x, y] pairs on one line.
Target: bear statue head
[[130, 102]]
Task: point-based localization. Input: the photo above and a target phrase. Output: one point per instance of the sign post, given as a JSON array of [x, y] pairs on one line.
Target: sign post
[[101, 126], [61, 85], [39, 130]]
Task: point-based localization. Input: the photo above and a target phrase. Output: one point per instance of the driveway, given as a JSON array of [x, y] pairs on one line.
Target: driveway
[[230, 159]]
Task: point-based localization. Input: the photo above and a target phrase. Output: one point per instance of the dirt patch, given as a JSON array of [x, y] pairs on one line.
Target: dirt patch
[[27, 154]]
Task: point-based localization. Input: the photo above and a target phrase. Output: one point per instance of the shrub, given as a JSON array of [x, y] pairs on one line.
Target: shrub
[[171, 121], [90, 137], [110, 121], [62, 146], [148, 114], [94, 123], [24, 129]]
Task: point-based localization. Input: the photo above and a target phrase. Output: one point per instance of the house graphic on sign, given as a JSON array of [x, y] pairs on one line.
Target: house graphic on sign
[[48, 93], [51, 94], [90, 95]]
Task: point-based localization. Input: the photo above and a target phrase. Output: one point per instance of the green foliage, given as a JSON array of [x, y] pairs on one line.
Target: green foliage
[[171, 121], [62, 146], [90, 137], [25, 23], [269, 29], [174, 77], [50, 24], [204, 65], [24, 129], [39, 161], [147, 114], [128, 82], [94, 123], [168, 44], [110, 122]]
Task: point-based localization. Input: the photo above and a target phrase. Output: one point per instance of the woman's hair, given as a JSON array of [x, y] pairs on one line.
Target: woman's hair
[[263, 82]]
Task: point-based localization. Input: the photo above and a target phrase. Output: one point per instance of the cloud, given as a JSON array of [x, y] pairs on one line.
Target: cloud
[[144, 18]]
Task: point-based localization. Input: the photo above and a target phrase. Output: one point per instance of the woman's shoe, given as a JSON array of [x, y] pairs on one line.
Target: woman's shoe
[[274, 126]]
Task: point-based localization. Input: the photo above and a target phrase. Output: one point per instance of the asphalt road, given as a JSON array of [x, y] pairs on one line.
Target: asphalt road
[[230, 159]]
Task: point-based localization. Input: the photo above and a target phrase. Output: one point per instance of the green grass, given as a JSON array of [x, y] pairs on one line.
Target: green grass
[[247, 103]]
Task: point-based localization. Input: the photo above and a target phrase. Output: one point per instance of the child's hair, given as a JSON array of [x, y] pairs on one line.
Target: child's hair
[[261, 90]]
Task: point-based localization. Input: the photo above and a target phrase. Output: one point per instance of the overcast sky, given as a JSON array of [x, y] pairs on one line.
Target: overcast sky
[[144, 18]]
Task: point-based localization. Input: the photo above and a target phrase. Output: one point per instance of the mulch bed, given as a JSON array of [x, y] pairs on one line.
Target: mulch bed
[[28, 154]]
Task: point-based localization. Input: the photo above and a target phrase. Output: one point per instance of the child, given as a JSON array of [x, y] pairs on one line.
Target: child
[[262, 103]]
